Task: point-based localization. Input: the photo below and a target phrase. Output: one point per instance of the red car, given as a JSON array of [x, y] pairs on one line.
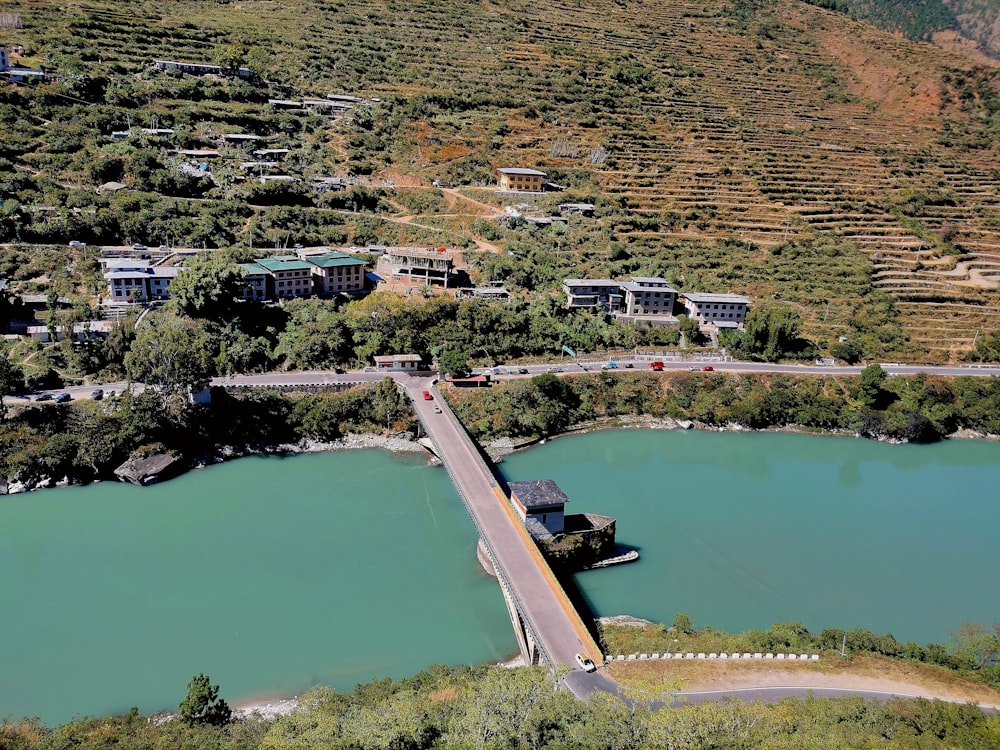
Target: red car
[[708, 368], [657, 366], [428, 396]]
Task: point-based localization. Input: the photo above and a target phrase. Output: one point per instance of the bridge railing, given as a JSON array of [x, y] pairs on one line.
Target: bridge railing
[[540, 561], [487, 544]]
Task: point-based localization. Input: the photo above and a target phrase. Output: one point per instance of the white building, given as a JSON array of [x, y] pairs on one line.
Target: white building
[[137, 281], [397, 362], [722, 310], [648, 296]]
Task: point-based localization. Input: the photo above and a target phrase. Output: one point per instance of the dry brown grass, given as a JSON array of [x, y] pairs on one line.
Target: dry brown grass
[[862, 672]]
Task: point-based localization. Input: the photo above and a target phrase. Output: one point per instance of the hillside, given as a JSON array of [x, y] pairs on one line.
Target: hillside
[[979, 20], [765, 146]]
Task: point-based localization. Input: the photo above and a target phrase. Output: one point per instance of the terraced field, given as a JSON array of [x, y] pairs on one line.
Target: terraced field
[[762, 121]]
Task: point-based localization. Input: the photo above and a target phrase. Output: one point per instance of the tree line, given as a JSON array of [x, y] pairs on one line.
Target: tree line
[[87, 440], [915, 408], [492, 708]]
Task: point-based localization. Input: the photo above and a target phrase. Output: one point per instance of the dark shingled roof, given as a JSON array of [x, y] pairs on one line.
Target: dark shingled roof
[[538, 493]]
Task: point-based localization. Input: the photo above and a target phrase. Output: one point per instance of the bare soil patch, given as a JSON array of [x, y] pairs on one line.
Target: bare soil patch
[[862, 672]]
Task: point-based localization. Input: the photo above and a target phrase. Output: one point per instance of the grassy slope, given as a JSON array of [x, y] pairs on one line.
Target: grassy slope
[[763, 122]]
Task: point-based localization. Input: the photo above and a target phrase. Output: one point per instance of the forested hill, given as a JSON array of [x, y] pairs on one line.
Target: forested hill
[[769, 147], [978, 20]]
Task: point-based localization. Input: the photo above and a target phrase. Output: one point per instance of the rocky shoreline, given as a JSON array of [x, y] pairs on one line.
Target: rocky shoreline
[[398, 443], [401, 443]]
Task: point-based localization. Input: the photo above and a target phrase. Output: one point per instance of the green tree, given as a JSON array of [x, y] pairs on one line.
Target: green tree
[[846, 351], [171, 354], [870, 384], [202, 705], [772, 332], [316, 336], [690, 329], [11, 380], [231, 56], [683, 623], [455, 362], [208, 287], [977, 645]]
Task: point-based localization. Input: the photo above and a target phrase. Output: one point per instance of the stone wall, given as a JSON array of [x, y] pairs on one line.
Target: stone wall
[[588, 538]]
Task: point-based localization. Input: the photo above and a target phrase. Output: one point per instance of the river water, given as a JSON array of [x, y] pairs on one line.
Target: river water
[[742, 530], [268, 574], [274, 574]]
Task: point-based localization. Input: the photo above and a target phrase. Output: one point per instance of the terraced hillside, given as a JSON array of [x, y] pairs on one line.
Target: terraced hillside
[[770, 123]]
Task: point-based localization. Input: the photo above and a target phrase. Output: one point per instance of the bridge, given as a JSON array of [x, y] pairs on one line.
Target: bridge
[[547, 625]]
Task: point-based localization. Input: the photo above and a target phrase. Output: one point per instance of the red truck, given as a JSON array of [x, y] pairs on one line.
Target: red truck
[[657, 366]]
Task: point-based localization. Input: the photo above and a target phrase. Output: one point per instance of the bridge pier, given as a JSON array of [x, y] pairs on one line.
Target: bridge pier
[[529, 650]]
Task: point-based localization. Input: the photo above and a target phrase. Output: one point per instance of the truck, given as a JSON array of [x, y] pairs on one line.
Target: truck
[[656, 366], [610, 365]]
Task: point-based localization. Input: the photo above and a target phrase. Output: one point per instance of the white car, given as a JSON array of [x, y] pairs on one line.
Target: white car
[[585, 663]]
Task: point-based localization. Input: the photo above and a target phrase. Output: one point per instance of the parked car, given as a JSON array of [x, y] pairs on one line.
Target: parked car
[[63, 397], [428, 396], [585, 663], [139, 246], [708, 368], [43, 397], [97, 395]]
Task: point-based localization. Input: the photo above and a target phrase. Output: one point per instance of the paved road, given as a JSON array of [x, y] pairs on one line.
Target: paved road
[[567, 367], [543, 602]]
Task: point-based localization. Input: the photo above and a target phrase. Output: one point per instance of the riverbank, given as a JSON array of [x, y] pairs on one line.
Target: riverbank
[[500, 447], [917, 409], [398, 443]]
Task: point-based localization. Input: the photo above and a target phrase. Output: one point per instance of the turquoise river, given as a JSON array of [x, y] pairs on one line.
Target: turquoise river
[[275, 574]]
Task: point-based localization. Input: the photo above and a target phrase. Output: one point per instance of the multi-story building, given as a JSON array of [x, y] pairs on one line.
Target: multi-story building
[[255, 282], [336, 273], [653, 299], [594, 293], [648, 296], [723, 310], [430, 266], [137, 280], [516, 179], [293, 277]]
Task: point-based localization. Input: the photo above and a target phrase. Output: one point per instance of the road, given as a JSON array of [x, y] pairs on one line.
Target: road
[[567, 367], [582, 685], [542, 600], [776, 694]]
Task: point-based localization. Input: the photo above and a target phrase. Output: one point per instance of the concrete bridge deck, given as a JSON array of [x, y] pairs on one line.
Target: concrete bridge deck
[[552, 623]]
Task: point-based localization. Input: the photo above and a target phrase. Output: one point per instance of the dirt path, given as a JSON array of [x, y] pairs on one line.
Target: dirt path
[[859, 673]]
